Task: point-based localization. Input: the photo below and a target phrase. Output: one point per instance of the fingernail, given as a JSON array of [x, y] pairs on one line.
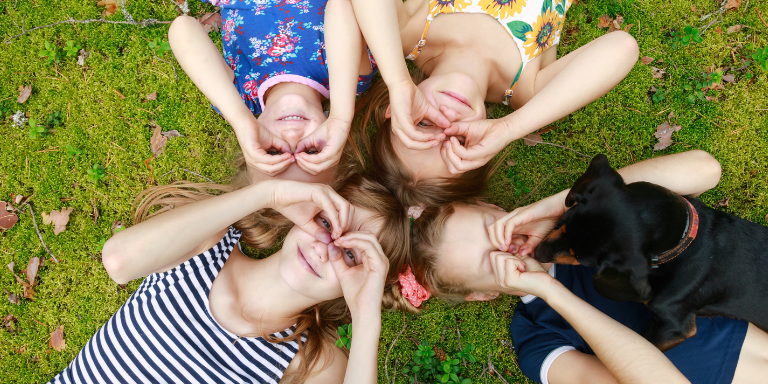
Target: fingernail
[[323, 236], [512, 248], [333, 251], [525, 249]]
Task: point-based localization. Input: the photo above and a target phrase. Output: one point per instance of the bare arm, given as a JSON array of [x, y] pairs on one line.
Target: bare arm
[[343, 48]]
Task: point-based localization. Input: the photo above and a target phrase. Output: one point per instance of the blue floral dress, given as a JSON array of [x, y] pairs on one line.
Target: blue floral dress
[[267, 42]]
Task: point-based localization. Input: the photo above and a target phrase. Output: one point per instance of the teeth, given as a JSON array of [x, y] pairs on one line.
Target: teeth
[[292, 117]]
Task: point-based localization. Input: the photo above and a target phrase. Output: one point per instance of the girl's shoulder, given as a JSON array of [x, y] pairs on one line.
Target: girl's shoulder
[[332, 358]]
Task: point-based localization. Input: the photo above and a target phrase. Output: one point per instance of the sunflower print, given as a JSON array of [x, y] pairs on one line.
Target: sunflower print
[[438, 6], [542, 34], [460, 5], [502, 9]]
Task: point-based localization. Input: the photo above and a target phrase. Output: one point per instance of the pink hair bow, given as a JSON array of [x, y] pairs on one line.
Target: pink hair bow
[[414, 292]]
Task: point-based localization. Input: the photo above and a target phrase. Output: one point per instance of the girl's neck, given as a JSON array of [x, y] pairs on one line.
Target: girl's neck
[[255, 298], [473, 66], [279, 89]]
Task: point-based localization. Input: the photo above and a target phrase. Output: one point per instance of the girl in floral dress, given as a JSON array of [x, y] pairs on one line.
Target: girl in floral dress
[[474, 51], [274, 65]]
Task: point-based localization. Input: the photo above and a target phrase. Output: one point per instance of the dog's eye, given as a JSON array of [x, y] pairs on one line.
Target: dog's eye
[[559, 224]]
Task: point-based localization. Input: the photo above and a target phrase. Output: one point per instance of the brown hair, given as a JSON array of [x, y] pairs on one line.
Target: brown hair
[[262, 229], [387, 168]]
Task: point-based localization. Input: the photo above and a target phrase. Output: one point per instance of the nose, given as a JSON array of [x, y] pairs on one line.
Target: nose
[[292, 136], [320, 250]]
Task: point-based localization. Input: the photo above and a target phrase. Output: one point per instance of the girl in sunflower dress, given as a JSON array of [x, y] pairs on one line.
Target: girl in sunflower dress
[[435, 141]]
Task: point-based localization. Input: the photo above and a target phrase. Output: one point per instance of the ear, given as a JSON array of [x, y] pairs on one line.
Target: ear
[[621, 285], [388, 112], [481, 296], [599, 167]]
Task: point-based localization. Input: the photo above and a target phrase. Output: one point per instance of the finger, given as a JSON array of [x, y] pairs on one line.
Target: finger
[[458, 129], [497, 259], [346, 212], [274, 169], [470, 152], [512, 270], [460, 163], [514, 221], [261, 156], [308, 167], [362, 236], [444, 155], [322, 198], [319, 233], [436, 117], [530, 244], [517, 242], [337, 262], [496, 236]]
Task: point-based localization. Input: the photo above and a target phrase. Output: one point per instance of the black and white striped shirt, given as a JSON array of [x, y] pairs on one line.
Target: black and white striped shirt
[[165, 333]]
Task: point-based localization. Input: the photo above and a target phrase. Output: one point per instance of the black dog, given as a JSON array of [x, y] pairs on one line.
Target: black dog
[[677, 255]]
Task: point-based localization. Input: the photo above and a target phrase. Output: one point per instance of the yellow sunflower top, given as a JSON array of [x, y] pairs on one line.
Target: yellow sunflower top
[[502, 9], [543, 33]]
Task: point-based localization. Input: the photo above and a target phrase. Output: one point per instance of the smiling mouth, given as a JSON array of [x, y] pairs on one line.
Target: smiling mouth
[[457, 97], [305, 263], [292, 118]]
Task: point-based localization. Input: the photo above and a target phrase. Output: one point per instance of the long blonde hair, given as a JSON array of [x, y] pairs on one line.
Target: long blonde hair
[[264, 228]]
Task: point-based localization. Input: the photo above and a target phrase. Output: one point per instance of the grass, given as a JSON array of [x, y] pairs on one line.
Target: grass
[[115, 133]]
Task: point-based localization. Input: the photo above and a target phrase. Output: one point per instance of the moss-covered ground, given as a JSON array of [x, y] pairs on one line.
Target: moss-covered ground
[[115, 133]]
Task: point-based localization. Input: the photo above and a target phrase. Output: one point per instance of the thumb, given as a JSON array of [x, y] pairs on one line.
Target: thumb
[[436, 117], [337, 262], [316, 230]]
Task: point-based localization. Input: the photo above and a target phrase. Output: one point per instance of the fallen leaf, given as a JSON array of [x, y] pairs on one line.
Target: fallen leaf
[[120, 95], [718, 30], [734, 28], [35, 359], [628, 27], [81, 58], [547, 129], [152, 96], [7, 219], [731, 4], [511, 163], [157, 142], [724, 202], [111, 7], [210, 21], [58, 218], [604, 21], [9, 323], [533, 139], [729, 78], [172, 133], [117, 225], [647, 60], [24, 93], [711, 98], [32, 266], [13, 298], [95, 214], [657, 73], [671, 115], [694, 9], [57, 339], [618, 21], [715, 87], [17, 199], [21, 350], [664, 134], [11, 265]]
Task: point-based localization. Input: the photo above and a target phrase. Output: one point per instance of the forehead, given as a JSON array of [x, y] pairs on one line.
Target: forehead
[[366, 220], [464, 241]]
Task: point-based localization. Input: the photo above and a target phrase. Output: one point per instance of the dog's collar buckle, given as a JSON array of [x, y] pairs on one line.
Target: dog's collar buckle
[[691, 230]]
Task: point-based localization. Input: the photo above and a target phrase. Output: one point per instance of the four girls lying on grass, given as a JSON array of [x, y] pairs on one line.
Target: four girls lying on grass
[[346, 255]]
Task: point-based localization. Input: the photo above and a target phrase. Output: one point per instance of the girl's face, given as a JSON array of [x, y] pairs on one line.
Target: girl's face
[[304, 263], [465, 253], [458, 98]]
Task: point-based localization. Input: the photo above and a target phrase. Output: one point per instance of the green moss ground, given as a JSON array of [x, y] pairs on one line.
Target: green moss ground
[[115, 132]]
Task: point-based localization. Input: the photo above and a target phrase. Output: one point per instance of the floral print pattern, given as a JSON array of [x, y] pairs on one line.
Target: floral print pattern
[[502, 9], [542, 34]]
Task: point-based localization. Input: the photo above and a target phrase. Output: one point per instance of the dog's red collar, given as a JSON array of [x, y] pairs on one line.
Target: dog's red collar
[[691, 229]]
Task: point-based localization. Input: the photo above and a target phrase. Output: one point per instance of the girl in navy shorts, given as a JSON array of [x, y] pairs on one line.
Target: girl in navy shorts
[[275, 65], [563, 330]]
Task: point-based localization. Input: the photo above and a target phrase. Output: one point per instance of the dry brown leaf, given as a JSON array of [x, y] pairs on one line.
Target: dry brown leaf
[[511, 163], [57, 339], [604, 21], [718, 30], [657, 73], [32, 267], [734, 28], [12, 297], [117, 225], [724, 202], [715, 87], [647, 60], [7, 219], [152, 96], [172, 133], [111, 7], [81, 58], [532, 139], [547, 129], [729, 78], [628, 27], [157, 142], [11, 265], [711, 98], [618, 21], [24, 92], [120, 95], [95, 214], [694, 9], [731, 4], [664, 134], [210, 21], [58, 218], [9, 322]]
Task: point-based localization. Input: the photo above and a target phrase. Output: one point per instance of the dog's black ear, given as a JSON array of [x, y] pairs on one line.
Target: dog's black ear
[[599, 167], [621, 285]]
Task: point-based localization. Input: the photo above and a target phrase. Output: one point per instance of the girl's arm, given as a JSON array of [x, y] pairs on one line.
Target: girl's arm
[[688, 173], [625, 354], [559, 89], [173, 237]]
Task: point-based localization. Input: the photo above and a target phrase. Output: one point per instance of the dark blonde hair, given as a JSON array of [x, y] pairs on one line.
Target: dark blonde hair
[[388, 169], [264, 228]]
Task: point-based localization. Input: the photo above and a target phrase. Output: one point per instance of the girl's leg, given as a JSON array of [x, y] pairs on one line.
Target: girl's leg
[[205, 66], [753, 360]]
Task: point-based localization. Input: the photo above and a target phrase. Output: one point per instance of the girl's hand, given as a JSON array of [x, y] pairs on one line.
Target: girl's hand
[[256, 141], [408, 107], [483, 140], [362, 284], [535, 221], [301, 202], [329, 140], [520, 274]]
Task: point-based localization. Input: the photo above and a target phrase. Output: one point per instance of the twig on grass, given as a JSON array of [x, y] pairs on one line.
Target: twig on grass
[[386, 358], [761, 17], [492, 369], [143, 24], [197, 174], [717, 20], [40, 235], [121, 180], [394, 373], [556, 145], [719, 11]]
